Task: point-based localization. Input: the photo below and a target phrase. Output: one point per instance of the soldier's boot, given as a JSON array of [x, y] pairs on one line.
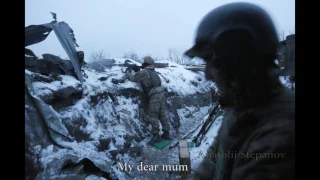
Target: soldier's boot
[[155, 139], [166, 135]]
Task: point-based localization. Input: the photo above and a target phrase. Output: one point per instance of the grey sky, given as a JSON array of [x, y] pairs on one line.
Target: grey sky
[[143, 26]]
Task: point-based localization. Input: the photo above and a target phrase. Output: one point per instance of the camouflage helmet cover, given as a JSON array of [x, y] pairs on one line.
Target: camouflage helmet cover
[[234, 17], [148, 60]]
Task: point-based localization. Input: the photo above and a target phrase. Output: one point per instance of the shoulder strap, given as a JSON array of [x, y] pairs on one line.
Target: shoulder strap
[[156, 81]]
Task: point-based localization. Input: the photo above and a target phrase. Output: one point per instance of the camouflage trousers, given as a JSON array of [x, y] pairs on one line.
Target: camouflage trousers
[[156, 112]]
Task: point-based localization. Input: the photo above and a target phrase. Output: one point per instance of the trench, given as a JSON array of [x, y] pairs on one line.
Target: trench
[[151, 157]]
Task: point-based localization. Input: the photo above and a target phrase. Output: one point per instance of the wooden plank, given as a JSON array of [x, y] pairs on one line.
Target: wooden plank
[[161, 65], [184, 159]]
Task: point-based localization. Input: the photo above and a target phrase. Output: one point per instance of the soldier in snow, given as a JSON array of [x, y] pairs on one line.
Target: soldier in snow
[[151, 85]]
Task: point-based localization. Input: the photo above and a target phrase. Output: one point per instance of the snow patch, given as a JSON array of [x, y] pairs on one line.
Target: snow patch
[[197, 61], [43, 88], [282, 79], [80, 150], [181, 80], [28, 72], [93, 177]]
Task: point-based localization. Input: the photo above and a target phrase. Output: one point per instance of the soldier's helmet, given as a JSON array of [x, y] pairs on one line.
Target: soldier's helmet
[[215, 28], [148, 60]]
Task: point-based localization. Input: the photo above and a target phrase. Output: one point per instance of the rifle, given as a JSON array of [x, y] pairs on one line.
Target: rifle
[[167, 80], [130, 67], [204, 129], [136, 68], [206, 126]]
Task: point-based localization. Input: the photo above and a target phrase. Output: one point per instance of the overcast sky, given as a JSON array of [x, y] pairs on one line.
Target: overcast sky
[[142, 26]]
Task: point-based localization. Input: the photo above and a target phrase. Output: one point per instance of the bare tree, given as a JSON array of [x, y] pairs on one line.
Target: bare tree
[[292, 31], [158, 58], [176, 56], [282, 35], [99, 55], [131, 55]]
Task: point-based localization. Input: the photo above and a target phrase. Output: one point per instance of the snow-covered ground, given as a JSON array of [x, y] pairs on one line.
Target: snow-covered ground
[[105, 119]]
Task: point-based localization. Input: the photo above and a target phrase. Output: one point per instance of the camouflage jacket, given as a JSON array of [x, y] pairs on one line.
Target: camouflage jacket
[[254, 144], [149, 85]]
